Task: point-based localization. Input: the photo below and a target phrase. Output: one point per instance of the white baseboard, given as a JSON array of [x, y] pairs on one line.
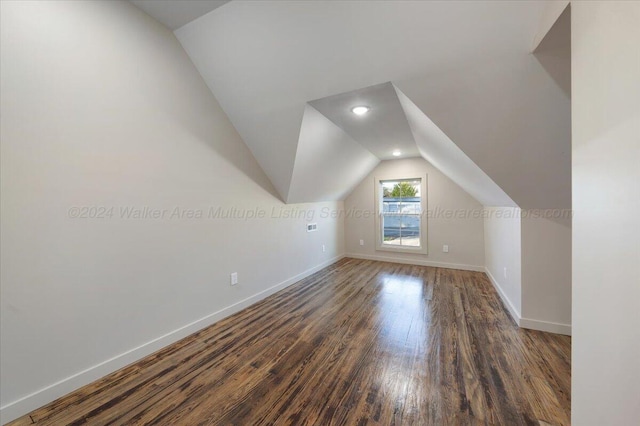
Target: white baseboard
[[551, 327], [26, 404], [419, 262], [505, 300], [532, 324]]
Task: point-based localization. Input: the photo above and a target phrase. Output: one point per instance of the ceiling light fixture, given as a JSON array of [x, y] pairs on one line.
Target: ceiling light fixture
[[397, 153], [360, 110]]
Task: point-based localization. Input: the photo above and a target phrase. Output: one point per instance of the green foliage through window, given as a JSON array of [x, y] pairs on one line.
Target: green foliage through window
[[401, 190], [400, 213]]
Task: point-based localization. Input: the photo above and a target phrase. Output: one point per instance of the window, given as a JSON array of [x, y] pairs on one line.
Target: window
[[400, 224]]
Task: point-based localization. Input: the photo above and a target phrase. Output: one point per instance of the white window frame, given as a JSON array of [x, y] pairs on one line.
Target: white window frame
[[380, 245]]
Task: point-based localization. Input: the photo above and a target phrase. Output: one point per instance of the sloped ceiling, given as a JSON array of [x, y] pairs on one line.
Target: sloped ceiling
[[329, 163], [436, 147], [337, 148], [465, 65], [554, 51], [176, 13], [550, 14], [383, 130]]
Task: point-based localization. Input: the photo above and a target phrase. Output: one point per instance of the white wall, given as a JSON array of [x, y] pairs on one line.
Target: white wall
[[102, 107], [503, 257], [606, 202], [535, 248], [446, 203], [546, 270]]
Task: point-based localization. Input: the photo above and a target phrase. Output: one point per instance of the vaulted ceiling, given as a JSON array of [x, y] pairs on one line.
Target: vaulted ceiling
[[176, 13], [457, 82]]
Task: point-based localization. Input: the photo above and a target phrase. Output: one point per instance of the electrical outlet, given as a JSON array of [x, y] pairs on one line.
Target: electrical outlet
[[505, 272], [234, 278], [445, 248], [324, 249], [361, 242]]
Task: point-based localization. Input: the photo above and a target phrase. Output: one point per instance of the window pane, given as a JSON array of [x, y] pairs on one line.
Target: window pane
[[387, 188], [391, 230], [390, 206], [401, 212], [410, 231], [401, 230], [410, 207], [400, 190]]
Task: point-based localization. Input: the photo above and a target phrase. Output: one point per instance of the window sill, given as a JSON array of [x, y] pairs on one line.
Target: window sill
[[402, 249]]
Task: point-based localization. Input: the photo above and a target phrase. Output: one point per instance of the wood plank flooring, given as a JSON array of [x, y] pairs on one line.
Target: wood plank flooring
[[359, 342]]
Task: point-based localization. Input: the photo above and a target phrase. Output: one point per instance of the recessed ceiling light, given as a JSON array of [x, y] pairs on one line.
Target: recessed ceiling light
[[360, 110], [397, 153]]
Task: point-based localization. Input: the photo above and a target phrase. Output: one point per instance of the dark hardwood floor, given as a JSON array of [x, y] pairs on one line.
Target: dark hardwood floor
[[359, 342]]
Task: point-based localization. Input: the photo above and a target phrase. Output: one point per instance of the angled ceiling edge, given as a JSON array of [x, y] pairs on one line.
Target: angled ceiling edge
[[328, 163], [437, 148]]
